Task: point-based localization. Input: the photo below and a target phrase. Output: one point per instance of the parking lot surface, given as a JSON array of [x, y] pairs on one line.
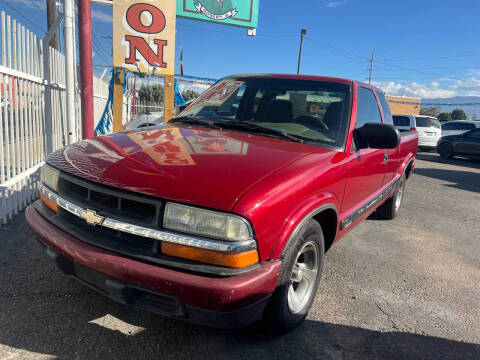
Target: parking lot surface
[[401, 289]]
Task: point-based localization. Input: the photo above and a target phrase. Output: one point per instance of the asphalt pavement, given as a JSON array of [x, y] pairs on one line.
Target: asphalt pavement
[[401, 289]]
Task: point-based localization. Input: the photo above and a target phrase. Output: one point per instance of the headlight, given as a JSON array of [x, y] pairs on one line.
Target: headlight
[[205, 222], [49, 177]]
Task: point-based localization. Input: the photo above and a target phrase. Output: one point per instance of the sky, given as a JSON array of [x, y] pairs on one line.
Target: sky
[[422, 48]]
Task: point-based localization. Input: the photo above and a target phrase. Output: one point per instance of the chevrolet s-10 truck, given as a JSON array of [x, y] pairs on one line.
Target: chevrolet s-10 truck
[[223, 216]]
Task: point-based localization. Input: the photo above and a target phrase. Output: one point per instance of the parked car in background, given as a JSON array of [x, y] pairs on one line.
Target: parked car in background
[[223, 216], [428, 128], [466, 145], [145, 119], [458, 127], [152, 119]]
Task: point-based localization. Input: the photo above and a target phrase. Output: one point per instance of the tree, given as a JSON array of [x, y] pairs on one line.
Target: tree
[[444, 116], [459, 114], [189, 95], [151, 93], [431, 111]]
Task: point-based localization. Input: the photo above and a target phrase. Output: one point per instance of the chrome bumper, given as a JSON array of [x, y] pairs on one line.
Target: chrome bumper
[[94, 219]]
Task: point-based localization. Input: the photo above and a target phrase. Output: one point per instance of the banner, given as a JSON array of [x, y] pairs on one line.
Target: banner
[[242, 13], [144, 36]]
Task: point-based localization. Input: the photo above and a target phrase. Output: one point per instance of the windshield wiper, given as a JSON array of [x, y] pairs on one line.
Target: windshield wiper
[[196, 121], [264, 129]]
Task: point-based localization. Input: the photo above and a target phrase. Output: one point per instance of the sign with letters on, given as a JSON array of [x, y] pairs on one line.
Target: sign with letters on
[[144, 36], [242, 13]]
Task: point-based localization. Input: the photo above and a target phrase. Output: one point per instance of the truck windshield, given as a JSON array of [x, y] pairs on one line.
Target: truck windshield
[[315, 111]]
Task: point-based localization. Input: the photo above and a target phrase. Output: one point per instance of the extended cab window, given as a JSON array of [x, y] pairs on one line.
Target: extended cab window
[[387, 114], [314, 111], [368, 111]]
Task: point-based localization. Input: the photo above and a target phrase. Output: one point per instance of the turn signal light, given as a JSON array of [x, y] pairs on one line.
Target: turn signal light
[[236, 261], [49, 203]]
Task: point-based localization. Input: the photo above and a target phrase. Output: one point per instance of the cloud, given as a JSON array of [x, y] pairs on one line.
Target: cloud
[[334, 4], [101, 16], [468, 87], [414, 89]]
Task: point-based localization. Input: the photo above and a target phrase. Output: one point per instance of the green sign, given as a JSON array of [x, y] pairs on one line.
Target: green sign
[[229, 12]]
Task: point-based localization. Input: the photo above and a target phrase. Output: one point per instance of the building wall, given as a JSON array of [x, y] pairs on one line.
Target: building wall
[[404, 105]]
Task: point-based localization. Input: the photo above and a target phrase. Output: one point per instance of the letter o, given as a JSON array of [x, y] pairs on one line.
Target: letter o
[[134, 14]]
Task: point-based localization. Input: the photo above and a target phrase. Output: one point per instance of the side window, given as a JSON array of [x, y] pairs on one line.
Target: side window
[[387, 114], [474, 134], [447, 126], [467, 126], [368, 111], [401, 121]]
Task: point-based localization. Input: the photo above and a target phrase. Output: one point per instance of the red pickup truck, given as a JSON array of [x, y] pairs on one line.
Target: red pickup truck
[[223, 216]]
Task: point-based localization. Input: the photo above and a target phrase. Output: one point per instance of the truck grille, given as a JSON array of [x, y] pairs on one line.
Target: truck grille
[[108, 202]]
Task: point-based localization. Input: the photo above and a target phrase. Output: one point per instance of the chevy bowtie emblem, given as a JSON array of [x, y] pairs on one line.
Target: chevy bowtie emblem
[[91, 217]]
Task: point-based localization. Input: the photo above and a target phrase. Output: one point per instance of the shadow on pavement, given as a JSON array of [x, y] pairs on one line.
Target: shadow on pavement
[[44, 312], [473, 163], [464, 180]]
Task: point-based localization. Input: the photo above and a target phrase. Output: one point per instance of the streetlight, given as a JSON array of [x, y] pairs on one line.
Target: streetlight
[[302, 34]]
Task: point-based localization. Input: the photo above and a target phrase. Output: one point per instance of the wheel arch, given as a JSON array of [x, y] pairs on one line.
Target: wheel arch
[[327, 216]]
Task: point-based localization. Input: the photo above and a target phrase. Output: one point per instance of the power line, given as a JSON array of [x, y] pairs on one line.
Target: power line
[[38, 7], [22, 16], [433, 58]]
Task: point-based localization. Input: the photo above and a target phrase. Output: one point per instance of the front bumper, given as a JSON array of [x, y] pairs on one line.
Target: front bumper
[[227, 302]]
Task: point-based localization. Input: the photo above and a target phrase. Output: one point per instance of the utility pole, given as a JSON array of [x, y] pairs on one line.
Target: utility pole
[[371, 70], [302, 34], [86, 65], [51, 17]]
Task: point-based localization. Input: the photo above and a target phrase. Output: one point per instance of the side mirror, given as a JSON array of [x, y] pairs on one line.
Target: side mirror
[[377, 136]]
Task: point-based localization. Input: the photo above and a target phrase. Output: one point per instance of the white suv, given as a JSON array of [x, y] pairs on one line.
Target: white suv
[[458, 127], [428, 128]]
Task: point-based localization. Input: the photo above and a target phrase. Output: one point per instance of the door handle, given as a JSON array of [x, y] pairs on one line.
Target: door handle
[[385, 157]]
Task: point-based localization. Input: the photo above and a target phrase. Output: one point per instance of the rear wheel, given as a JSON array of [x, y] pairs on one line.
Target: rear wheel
[[298, 280], [390, 208], [445, 150]]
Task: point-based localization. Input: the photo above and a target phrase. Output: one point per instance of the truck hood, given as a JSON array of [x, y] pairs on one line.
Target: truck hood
[[199, 166]]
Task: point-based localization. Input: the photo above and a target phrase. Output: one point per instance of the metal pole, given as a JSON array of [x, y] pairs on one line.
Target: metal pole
[[86, 66], [371, 70], [48, 90], [302, 33], [51, 17], [69, 69]]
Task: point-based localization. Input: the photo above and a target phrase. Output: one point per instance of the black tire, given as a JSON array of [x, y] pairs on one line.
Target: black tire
[[280, 315], [390, 208], [445, 150]]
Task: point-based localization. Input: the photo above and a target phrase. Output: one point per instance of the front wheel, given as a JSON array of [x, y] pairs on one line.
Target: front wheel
[[445, 150], [298, 280], [390, 208]]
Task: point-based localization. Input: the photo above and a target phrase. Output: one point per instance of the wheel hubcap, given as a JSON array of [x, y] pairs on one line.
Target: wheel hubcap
[[303, 277], [400, 191]]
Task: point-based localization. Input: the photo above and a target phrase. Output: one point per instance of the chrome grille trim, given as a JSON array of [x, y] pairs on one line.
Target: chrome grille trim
[[186, 240]]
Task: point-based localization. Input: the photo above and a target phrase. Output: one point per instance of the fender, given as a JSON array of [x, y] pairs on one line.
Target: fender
[[409, 159], [299, 216]]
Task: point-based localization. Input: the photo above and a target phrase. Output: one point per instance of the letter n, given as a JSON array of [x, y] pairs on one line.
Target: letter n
[[139, 44]]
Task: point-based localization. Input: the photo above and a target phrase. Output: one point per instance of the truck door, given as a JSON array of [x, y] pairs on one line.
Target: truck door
[[365, 167], [392, 156]]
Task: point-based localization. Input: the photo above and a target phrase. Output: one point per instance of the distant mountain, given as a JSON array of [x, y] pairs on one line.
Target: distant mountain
[[469, 104]]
